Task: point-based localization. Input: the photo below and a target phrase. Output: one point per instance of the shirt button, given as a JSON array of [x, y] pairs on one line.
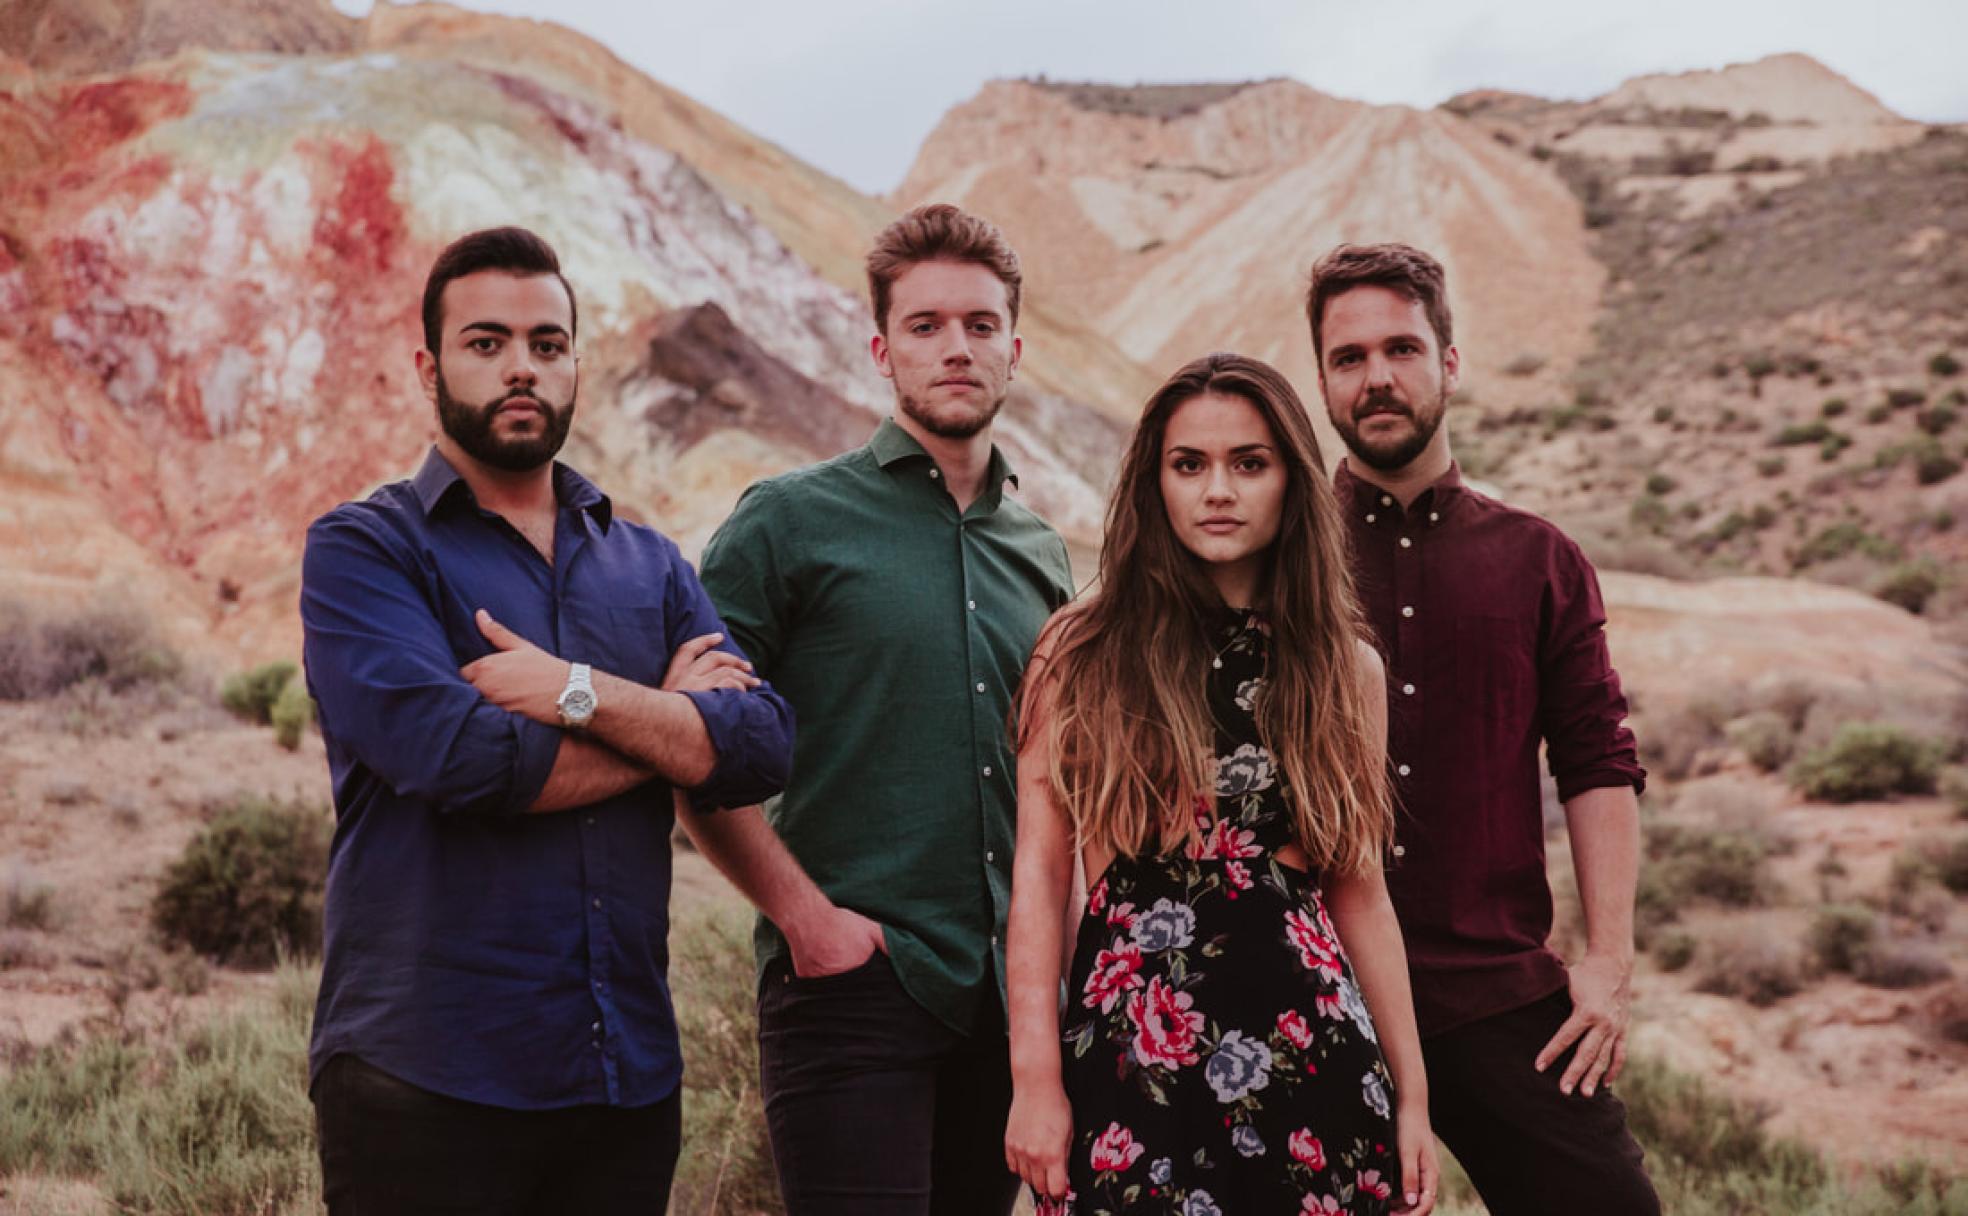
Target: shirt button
[[591, 821], [1386, 501], [987, 770], [596, 1028], [1432, 517], [994, 939], [935, 473], [990, 855], [1407, 610], [1402, 769], [971, 604], [1408, 690], [1406, 543], [1370, 517], [597, 902], [980, 686], [1400, 850]]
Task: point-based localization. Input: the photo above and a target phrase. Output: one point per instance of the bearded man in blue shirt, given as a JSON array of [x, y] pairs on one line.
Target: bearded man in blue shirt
[[494, 1032]]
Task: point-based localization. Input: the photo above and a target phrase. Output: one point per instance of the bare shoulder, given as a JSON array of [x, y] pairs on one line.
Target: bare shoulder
[[1373, 672]]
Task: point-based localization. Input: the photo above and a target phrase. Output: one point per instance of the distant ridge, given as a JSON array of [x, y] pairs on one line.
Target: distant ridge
[[1144, 100]]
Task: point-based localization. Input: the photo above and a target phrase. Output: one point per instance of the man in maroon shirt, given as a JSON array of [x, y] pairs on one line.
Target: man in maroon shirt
[[1493, 631]]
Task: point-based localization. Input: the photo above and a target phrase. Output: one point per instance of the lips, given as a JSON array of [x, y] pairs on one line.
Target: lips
[[958, 383], [1218, 525]]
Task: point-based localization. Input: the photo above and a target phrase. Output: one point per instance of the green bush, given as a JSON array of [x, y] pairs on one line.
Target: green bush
[[1833, 447], [1759, 970], [29, 903], [1684, 864], [1935, 420], [1951, 865], [1954, 788], [292, 714], [1909, 585], [1833, 407], [1842, 935], [1905, 398], [1769, 466], [1649, 511], [1660, 484], [1932, 468], [40, 655], [1799, 433], [1944, 364], [251, 694], [1868, 760], [1842, 539], [1674, 951], [1766, 737], [247, 889], [1878, 414], [1901, 964]]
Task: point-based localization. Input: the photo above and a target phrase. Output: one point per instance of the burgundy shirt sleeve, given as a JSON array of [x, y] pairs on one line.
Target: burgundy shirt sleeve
[[1582, 711]]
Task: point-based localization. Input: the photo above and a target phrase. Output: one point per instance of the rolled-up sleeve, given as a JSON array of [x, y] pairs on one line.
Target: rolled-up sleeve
[[1581, 707], [387, 684], [751, 731]]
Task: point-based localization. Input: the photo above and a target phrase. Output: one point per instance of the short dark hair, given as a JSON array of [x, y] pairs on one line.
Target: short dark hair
[[514, 250], [1402, 269], [939, 232]]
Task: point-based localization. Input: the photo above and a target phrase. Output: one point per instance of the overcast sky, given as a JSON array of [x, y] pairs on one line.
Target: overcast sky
[[853, 86]]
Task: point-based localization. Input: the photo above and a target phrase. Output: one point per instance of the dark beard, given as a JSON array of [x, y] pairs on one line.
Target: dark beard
[[944, 428], [1403, 454], [470, 427]]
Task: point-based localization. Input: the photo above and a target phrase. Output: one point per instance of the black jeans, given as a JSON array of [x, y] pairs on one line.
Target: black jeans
[[389, 1148], [875, 1107], [1529, 1148]]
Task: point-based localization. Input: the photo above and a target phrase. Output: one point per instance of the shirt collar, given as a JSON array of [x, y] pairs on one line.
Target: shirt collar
[[437, 478], [1356, 493], [891, 445]]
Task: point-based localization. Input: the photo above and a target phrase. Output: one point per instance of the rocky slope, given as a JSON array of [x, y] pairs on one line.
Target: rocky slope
[[1183, 221], [210, 268]]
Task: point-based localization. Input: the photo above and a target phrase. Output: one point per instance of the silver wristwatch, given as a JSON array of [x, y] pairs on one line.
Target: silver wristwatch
[[577, 700]]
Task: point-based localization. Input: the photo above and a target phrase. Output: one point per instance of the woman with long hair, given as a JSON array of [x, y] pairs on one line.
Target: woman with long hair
[[1206, 735]]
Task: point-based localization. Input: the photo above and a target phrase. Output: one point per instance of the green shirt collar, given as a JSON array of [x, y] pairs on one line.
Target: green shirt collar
[[891, 444]]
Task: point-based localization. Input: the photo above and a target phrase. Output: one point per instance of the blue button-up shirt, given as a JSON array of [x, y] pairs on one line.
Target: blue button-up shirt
[[503, 958]]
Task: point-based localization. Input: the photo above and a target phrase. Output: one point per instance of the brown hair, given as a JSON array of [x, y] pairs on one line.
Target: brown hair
[[513, 250], [1399, 268], [939, 232], [1121, 694]]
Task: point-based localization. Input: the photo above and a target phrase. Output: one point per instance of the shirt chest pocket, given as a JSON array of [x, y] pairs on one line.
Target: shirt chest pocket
[[1495, 669], [631, 642]]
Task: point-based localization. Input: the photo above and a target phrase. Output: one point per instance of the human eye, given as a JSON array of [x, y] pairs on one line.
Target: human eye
[[1345, 359], [1184, 463], [985, 327], [484, 344], [1252, 464], [1407, 348], [549, 348], [920, 328]]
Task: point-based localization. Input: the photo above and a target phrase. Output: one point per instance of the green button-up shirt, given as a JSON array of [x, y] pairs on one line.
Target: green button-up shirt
[[898, 630]]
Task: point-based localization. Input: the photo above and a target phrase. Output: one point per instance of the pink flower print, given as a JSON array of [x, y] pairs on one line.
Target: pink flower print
[[1116, 972], [1372, 1183], [1317, 950], [1292, 1024], [1306, 1149], [1165, 1027], [1115, 1150]]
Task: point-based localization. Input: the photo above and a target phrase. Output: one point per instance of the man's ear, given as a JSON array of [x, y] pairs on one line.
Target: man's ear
[[1017, 349], [427, 373], [878, 348], [1451, 370]]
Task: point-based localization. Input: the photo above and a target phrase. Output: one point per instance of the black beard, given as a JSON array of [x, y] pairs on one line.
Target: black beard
[[1403, 454], [470, 427], [946, 429]]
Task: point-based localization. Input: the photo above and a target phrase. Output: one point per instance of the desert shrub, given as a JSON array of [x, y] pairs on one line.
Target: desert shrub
[[1842, 935], [1909, 585], [1673, 951], [1765, 737], [1954, 787], [1769, 466], [1933, 467], [1867, 760], [1760, 968], [1951, 865], [1526, 364], [247, 889], [29, 903], [216, 1122], [1649, 511], [40, 655], [1905, 398], [1660, 483], [1898, 963], [1664, 413], [1799, 433], [1935, 420], [726, 1164], [250, 694], [1673, 742], [1759, 366], [291, 714], [1950, 1013], [1833, 407], [1833, 447], [1944, 364], [1878, 414], [1685, 865], [1843, 539]]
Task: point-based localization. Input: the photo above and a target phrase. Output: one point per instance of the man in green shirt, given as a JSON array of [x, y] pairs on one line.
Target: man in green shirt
[[892, 595]]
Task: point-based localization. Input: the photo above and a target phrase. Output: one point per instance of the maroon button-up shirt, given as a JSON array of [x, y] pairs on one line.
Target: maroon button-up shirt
[[1493, 632]]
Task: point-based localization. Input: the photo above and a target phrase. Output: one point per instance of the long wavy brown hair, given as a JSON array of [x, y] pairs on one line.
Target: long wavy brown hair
[[1124, 690]]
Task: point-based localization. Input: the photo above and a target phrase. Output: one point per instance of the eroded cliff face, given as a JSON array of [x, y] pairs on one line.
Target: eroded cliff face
[[1182, 223], [211, 268]]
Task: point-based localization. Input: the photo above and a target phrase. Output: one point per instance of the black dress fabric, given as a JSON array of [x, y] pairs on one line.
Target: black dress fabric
[[1217, 1052]]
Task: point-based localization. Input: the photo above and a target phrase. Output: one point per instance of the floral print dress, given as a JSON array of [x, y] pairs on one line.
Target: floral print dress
[[1218, 1054]]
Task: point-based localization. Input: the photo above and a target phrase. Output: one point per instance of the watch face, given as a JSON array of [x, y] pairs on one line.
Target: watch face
[[577, 705]]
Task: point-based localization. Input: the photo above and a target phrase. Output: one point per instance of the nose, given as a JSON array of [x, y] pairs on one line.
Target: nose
[[1380, 371], [956, 346], [521, 369], [1219, 489]]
